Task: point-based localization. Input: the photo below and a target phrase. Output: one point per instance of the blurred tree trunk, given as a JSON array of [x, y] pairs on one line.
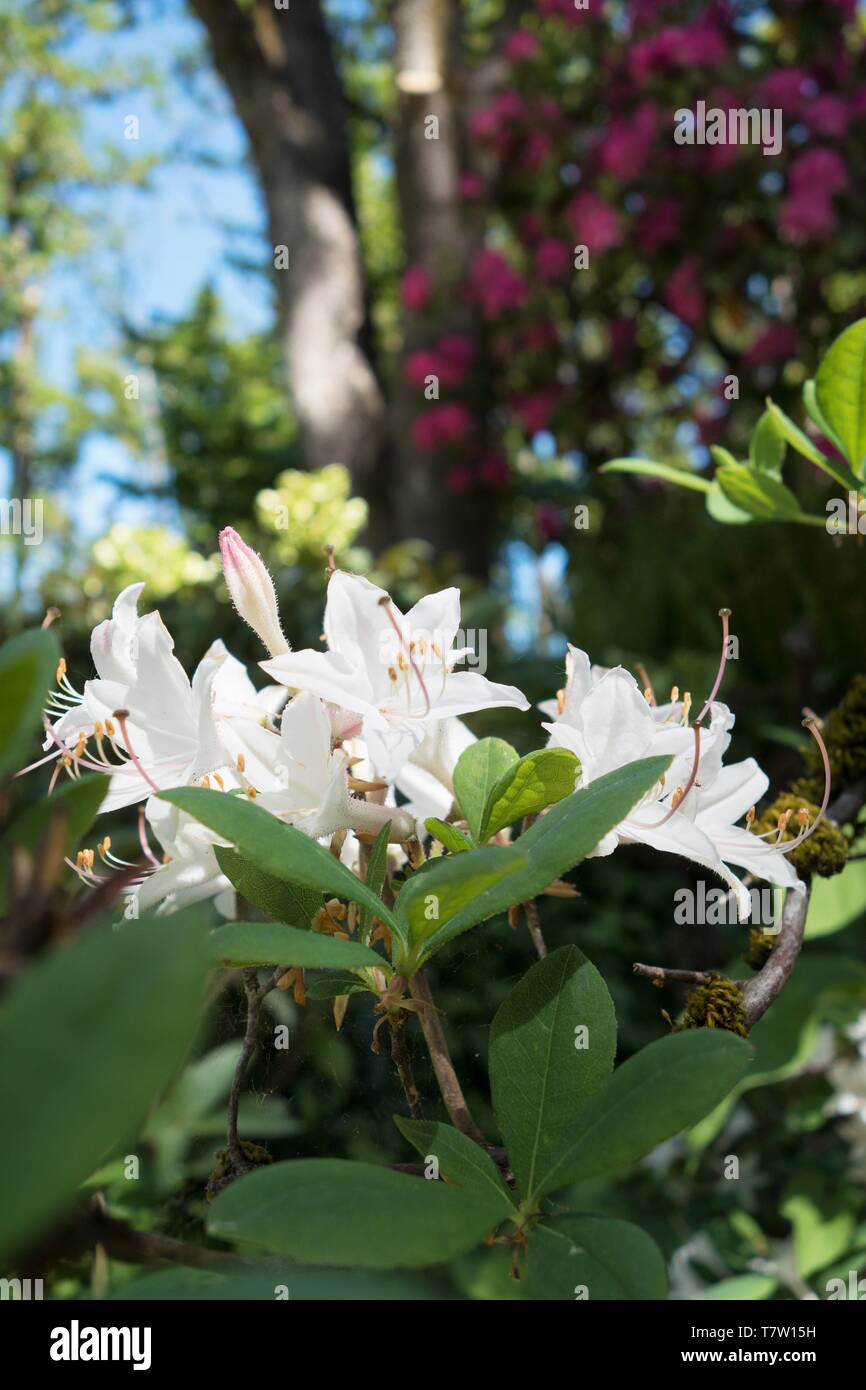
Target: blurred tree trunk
[[279, 68]]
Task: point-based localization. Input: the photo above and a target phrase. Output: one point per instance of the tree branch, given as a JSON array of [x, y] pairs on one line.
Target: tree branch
[[437, 1046], [254, 1004], [403, 1064]]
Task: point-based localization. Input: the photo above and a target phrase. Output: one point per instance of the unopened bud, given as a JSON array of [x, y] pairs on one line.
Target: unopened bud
[[252, 590]]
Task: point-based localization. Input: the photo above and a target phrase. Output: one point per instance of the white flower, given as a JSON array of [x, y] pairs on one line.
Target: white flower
[[191, 873], [427, 779], [607, 722], [169, 732], [392, 671]]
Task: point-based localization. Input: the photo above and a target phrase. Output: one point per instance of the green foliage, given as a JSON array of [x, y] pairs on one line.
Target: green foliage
[[461, 1161], [551, 1048], [272, 943], [27, 666], [328, 1211], [594, 1257], [69, 1035], [840, 393]]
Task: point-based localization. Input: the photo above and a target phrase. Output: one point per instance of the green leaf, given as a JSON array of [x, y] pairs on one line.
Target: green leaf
[[767, 447], [552, 1047], [594, 1257], [280, 850], [840, 392], [683, 477], [285, 902], [333, 1212], [436, 906], [721, 456], [302, 1285], [377, 867], [759, 494], [838, 902], [88, 1040], [742, 1288], [27, 666], [663, 1089], [332, 986], [539, 780], [479, 768], [77, 802], [823, 1219], [461, 1161], [808, 448], [720, 509], [448, 835], [272, 943], [813, 410]]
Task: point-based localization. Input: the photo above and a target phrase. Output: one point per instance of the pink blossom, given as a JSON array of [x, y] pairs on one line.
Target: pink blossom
[[777, 342], [530, 227], [594, 222], [420, 365], [828, 115], [509, 105], [534, 411], [470, 186], [553, 259], [785, 88], [807, 215], [683, 292], [626, 145], [458, 351], [818, 169], [541, 336], [496, 285], [536, 148], [494, 470], [416, 289], [439, 425], [659, 224], [520, 46], [484, 124]]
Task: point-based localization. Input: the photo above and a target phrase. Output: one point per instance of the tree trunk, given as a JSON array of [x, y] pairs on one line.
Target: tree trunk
[[279, 68]]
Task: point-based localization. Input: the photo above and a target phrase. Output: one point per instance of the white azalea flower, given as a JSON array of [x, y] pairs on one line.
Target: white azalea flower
[[171, 732], [190, 873], [427, 779], [607, 721], [392, 671]]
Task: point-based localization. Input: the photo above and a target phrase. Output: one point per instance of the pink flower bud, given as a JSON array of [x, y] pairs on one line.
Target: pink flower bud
[[252, 590]]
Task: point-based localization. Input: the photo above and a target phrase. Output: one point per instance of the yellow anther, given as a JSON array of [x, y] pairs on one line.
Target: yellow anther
[[97, 730], [402, 662], [80, 745], [252, 793], [677, 797], [109, 728], [750, 817], [242, 762], [803, 816], [687, 704], [648, 695], [61, 670], [205, 780], [560, 701], [392, 674], [435, 650], [219, 781]]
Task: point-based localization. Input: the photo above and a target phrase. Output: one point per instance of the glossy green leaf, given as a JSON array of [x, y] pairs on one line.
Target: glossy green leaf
[[27, 666], [478, 769], [448, 835], [294, 1283], [584, 1256], [461, 1161], [88, 1039], [760, 494], [273, 943], [838, 902], [742, 1288], [665, 472], [537, 781], [436, 906], [663, 1089], [767, 446], [720, 509], [551, 1048], [333, 1212], [279, 850], [805, 446], [840, 392], [285, 902]]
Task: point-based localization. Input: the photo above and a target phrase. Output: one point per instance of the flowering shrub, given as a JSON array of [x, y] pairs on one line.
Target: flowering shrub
[[350, 827]]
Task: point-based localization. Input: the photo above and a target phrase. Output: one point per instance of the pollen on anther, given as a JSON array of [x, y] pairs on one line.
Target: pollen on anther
[[61, 670], [392, 674], [242, 762], [750, 817], [219, 781]]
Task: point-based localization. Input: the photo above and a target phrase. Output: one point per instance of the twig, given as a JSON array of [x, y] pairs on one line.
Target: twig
[[254, 1004], [437, 1046], [533, 922], [403, 1064], [685, 977]]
